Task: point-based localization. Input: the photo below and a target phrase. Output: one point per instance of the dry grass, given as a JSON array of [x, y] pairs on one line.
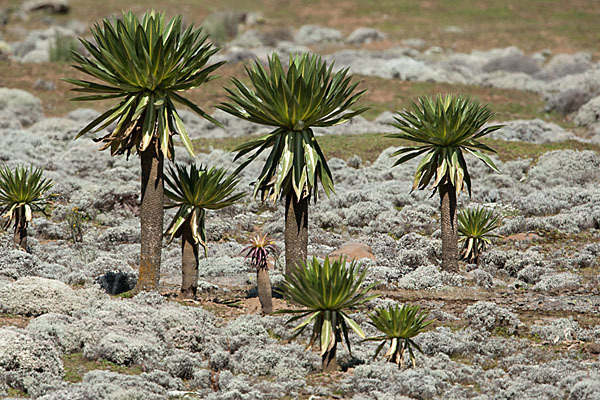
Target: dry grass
[[76, 365], [370, 145], [57, 102], [394, 95], [381, 95]]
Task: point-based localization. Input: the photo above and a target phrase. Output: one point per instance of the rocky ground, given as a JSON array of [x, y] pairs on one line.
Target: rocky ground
[[523, 324]]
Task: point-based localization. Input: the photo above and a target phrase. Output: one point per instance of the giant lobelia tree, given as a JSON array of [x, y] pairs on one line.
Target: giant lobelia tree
[[306, 95], [444, 130], [146, 64]]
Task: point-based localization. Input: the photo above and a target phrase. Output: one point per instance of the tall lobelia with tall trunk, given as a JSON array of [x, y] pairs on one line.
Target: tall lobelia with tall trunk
[[194, 191], [145, 64], [306, 96], [444, 129]]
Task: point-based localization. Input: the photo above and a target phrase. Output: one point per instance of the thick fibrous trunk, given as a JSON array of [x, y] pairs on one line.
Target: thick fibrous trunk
[[449, 227], [264, 290], [189, 263], [21, 229], [296, 231], [329, 362], [151, 219]]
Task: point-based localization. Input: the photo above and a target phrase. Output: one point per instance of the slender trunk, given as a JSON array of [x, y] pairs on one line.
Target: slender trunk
[[296, 231], [329, 361], [189, 263], [151, 219], [264, 290], [449, 227], [21, 229]]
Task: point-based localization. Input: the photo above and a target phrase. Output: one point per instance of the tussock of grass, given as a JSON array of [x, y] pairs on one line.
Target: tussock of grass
[[76, 365]]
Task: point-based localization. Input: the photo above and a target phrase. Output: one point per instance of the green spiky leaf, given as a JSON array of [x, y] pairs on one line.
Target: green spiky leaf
[[293, 101], [398, 325], [22, 191], [326, 292], [444, 129], [146, 63], [475, 231], [195, 190]]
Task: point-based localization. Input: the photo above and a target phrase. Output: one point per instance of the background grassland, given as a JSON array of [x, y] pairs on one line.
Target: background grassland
[[382, 95], [559, 25], [370, 145]]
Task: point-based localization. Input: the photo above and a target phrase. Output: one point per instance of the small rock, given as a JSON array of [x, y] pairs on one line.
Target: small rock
[[364, 35], [453, 29], [20, 105], [523, 237], [5, 50], [414, 42], [253, 18], [567, 101], [512, 63], [313, 34], [589, 114], [355, 161], [117, 282], [483, 278], [593, 348], [41, 84], [250, 38], [52, 6], [354, 251]]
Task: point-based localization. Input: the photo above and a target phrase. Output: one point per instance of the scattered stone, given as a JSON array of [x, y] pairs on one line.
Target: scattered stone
[[532, 131], [364, 35], [20, 105], [564, 280], [355, 162], [117, 282], [314, 34], [489, 316], [523, 237], [512, 63], [354, 251], [483, 278], [453, 29], [5, 50], [414, 42], [589, 115], [41, 84], [51, 6], [567, 101], [36, 296]]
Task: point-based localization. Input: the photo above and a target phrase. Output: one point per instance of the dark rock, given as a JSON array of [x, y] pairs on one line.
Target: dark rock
[[52, 6], [117, 282], [512, 63], [568, 101]]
